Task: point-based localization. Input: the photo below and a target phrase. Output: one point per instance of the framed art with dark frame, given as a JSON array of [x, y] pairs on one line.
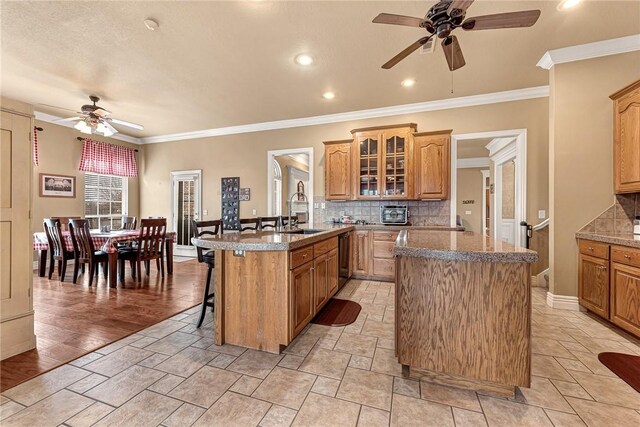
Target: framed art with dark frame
[[57, 186]]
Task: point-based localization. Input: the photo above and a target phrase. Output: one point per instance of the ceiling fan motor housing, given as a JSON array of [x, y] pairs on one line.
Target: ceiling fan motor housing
[[441, 23]]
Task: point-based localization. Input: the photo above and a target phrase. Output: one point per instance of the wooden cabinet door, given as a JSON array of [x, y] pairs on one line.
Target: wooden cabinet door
[[332, 272], [301, 297], [320, 284], [395, 178], [366, 152], [625, 297], [593, 284], [432, 165], [337, 170], [626, 144], [361, 250]]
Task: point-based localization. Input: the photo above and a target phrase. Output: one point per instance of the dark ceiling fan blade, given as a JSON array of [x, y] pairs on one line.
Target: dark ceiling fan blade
[[399, 57], [458, 7], [409, 21], [525, 18], [453, 53]]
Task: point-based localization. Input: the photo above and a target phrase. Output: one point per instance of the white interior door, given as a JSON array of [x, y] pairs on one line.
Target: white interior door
[[186, 207]]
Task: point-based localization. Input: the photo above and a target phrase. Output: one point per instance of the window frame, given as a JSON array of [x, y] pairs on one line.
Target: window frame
[[125, 198]]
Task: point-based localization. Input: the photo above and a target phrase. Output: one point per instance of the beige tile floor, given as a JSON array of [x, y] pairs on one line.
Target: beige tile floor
[[172, 374]]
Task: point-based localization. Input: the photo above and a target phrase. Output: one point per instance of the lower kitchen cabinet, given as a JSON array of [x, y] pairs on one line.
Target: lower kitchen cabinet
[[373, 255], [333, 267], [361, 253], [593, 276], [320, 289], [625, 297], [302, 297]]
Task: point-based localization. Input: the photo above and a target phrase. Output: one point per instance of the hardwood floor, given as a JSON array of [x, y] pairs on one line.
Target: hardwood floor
[[72, 320]]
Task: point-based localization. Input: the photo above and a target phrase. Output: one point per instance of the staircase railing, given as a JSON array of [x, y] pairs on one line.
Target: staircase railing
[[531, 228]]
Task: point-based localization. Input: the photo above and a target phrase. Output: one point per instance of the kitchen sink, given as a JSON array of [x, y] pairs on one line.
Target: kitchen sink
[[310, 231], [296, 230]]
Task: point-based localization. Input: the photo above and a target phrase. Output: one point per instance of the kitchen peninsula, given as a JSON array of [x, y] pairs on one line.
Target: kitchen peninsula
[[463, 310]]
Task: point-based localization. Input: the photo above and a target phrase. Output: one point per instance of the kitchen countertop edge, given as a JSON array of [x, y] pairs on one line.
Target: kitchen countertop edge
[[614, 239]]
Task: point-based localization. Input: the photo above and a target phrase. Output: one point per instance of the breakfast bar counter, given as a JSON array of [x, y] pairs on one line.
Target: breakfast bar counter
[[463, 310]]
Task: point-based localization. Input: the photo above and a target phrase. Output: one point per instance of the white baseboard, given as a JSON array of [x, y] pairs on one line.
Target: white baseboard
[[538, 280], [563, 302]]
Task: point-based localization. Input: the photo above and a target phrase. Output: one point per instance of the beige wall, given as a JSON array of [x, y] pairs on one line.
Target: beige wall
[[246, 154], [59, 153], [470, 187], [581, 147]]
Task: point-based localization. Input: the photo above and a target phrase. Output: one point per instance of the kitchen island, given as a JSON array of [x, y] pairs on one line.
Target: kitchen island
[[463, 310], [269, 285]]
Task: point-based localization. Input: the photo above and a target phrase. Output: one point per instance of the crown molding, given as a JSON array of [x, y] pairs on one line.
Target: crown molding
[[443, 104], [497, 144], [473, 162], [589, 50], [50, 118]]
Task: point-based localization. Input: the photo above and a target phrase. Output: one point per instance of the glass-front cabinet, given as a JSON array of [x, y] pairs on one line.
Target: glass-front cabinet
[[382, 163]]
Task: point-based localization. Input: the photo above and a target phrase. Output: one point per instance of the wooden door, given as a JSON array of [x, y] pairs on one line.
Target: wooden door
[[395, 178], [301, 297], [332, 272], [366, 152], [625, 297], [337, 168], [16, 268], [626, 145], [593, 281], [432, 165], [320, 283], [361, 250]]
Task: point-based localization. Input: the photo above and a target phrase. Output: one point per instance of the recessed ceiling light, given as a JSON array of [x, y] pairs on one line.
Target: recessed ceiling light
[[408, 82], [568, 4], [328, 95], [304, 59], [151, 24]]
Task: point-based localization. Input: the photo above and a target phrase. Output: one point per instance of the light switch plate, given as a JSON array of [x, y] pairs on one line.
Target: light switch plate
[[205, 212], [467, 212], [542, 214], [254, 212]]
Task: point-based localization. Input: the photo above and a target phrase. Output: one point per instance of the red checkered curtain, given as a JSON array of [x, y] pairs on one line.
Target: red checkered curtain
[[107, 159], [35, 146]]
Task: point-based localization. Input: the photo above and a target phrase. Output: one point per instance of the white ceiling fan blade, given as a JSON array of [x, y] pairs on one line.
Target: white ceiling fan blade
[[70, 119], [125, 123], [111, 128]]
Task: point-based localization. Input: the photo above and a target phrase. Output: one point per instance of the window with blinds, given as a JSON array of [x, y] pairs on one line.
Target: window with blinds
[[105, 200]]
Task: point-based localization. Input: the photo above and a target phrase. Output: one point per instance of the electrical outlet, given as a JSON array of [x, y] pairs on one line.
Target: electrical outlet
[[467, 212], [316, 205], [542, 214], [254, 212], [205, 212], [322, 206]]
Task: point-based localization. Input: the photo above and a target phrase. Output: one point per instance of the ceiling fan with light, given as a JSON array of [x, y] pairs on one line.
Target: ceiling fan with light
[[444, 17], [93, 119]]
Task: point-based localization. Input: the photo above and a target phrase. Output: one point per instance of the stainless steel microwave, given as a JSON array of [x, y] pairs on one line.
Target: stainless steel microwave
[[394, 214]]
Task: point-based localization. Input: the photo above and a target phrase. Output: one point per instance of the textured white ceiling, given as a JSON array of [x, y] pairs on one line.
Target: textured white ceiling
[[215, 64]]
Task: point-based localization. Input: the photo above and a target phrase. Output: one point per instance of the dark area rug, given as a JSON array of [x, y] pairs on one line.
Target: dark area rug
[[626, 366], [338, 312]]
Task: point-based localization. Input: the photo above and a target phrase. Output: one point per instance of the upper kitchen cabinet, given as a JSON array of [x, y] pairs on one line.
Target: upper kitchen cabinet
[[381, 164], [432, 164], [626, 139], [337, 166]]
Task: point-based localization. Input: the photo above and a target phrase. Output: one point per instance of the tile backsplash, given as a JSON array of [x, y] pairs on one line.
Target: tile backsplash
[[420, 213], [618, 219]]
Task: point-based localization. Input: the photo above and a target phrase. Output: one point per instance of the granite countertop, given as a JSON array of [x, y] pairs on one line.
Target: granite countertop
[[269, 240], [614, 239], [459, 246]]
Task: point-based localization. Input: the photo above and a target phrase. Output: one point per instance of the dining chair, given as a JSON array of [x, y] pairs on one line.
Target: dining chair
[[128, 223], [284, 220], [64, 221], [57, 247], [85, 252], [254, 224], [148, 247], [270, 221], [199, 229]]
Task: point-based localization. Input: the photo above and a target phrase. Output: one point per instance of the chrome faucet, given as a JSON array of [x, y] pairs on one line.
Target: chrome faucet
[[291, 203]]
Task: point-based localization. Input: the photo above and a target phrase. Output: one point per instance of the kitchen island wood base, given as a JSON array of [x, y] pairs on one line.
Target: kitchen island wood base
[[465, 323]]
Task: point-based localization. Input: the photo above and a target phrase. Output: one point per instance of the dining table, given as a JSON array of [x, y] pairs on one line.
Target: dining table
[[105, 241]]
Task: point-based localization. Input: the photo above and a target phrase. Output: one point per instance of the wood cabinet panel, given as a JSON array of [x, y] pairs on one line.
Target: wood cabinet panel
[[593, 284], [337, 182], [300, 256], [384, 268], [383, 249], [332, 272], [623, 255], [625, 297], [626, 139], [595, 249], [431, 161], [320, 283], [325, 246], [361, 251], [396, 174], [388, 236], [302, 297]]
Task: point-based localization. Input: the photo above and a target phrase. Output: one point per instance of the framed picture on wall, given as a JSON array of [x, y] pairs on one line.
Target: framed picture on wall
[[57, 185]]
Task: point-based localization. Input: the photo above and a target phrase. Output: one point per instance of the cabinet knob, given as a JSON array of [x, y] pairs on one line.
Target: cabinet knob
[[627, 256], [590, 248], [602, 267]]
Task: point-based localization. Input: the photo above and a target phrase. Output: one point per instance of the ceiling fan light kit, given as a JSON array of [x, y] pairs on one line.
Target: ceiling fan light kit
[[94, 119], [447, 15]]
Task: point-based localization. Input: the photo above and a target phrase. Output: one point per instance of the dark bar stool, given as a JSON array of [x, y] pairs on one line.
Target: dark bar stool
[[253, 224], [270, 221], [206, 228]]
